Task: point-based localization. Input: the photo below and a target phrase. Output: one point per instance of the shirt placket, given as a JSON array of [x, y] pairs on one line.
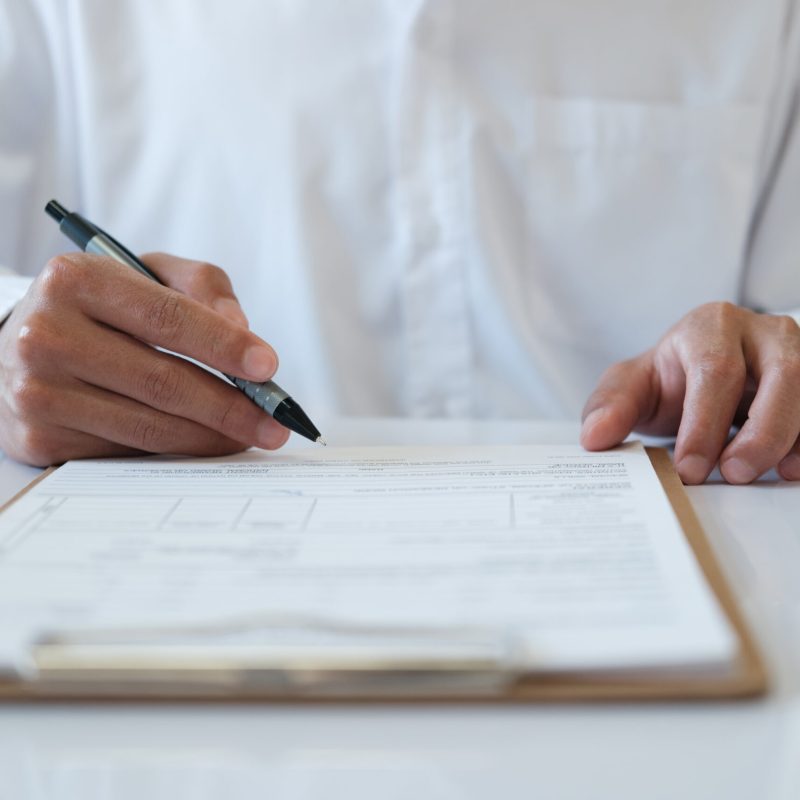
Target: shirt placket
[[430, 209]]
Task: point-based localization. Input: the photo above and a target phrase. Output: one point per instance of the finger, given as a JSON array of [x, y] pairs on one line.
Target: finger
[[199, 280], [125, 300], [789, 466], [625, 396], [114, 361], [75, 444], [109, 416], [773, 422], [46, 445], [715, 379]]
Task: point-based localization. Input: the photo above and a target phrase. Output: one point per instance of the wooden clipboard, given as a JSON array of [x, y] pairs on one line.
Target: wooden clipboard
[[746, 677]]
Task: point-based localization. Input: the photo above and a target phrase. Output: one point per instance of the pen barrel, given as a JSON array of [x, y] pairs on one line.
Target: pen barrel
[[267, 396], [103, 246]]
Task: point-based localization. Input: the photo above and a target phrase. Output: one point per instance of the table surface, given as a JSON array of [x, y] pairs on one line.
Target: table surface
[[702, 750]]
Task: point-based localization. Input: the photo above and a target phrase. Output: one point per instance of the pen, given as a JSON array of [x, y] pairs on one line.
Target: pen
[[267, 396]]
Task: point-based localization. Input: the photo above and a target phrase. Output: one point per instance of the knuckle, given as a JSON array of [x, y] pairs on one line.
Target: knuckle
[[34, 446], [60, 276], [163, 385], [719, 368], [715, 317], [723, 311], [716, 310], [35, 340], [787, 327], [147, 434], [204, 274], [30, 399], [165, 313]]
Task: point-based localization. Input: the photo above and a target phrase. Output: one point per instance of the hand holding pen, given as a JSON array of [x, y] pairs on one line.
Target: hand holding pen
[[81, 377]]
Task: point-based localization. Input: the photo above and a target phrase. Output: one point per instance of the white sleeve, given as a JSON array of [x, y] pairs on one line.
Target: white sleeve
[[37, 152], [12, 289], [771, 280]]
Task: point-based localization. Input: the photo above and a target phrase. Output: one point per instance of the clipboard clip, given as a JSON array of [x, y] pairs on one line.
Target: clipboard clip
[[280, 655]]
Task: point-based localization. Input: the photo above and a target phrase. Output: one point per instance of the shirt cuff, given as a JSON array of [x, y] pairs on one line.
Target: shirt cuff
[[12, 289]]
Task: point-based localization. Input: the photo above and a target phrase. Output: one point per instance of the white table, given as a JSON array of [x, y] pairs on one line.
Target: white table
[[745, 750]]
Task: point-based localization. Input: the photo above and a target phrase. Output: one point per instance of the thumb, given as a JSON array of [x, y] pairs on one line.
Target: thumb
[[203, 282], [625, 397]]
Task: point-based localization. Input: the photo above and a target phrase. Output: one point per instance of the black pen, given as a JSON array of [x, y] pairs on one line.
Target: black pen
[[267, 396]]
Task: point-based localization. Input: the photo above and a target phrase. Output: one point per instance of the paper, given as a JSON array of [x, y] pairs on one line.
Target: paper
[[575, 555]]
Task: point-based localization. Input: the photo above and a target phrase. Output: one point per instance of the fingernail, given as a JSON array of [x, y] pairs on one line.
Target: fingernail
[[790, 467], [590, 422], [693, 468], [260, 363], [736, 470], [593, 418], [231, 310]]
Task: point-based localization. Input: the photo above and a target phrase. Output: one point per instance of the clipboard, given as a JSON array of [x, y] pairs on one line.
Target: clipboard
[[475, 679]]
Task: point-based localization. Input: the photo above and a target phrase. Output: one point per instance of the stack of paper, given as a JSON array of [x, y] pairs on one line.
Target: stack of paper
[[545, 559]]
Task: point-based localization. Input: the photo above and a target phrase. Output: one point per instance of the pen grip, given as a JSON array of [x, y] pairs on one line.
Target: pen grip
[[267, 395]]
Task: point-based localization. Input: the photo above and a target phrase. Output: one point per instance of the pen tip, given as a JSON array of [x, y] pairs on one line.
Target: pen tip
[[321, 441]]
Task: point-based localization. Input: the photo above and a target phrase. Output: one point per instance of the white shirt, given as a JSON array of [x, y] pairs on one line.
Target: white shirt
[[441, 207]]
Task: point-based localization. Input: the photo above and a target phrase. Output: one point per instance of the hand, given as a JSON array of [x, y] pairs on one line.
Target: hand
[[79, 377], [720, 365]]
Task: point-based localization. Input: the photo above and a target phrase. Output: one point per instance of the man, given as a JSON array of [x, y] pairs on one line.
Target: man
[[430, 208]]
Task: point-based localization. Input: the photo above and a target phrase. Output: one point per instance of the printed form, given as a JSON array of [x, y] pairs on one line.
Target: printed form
[[576, 556]]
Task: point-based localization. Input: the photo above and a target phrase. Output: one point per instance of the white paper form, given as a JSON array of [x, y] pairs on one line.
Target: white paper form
[[576, 554]]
